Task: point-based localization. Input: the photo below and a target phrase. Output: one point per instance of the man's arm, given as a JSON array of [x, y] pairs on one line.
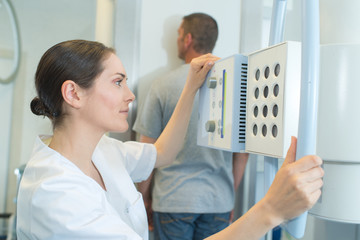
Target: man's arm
[[144, 187], [239, 164]]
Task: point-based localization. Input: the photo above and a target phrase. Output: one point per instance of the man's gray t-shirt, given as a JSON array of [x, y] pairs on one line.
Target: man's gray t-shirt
[[200, 180]]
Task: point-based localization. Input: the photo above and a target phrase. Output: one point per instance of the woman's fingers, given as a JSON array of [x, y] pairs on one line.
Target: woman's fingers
[[206, 61], [199, 67], [297, 185], [313, 174], [314, 197], [291, 153], [315, 186], [308, 162]]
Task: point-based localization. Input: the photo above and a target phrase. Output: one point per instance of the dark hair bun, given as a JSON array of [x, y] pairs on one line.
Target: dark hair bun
[[37, 107]]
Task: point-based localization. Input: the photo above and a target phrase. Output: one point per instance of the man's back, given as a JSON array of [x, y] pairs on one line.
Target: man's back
[[198, 181]]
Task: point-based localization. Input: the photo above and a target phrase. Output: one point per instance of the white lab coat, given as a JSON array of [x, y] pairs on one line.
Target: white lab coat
[[56, 200]]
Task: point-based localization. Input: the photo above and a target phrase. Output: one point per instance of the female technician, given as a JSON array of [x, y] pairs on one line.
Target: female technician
[[78, 183]]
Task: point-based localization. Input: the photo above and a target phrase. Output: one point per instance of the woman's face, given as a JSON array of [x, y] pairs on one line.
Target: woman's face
[[107, 101]]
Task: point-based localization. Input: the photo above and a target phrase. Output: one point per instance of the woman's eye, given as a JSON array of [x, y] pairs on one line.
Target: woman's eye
[[118, 82]]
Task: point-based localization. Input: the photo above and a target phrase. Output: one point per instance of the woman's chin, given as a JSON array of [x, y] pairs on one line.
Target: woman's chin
[[121, 129]]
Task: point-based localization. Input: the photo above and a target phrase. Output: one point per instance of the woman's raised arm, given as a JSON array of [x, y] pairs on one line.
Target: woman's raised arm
[[171, 140]]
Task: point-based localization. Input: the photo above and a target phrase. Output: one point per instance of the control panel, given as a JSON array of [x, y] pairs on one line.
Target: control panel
[[251, 103], [222, 105]]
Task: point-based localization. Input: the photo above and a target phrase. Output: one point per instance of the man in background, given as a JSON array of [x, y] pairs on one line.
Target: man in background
[[193, 198]]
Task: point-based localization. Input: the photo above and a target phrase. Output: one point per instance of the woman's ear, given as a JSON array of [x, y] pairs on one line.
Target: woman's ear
[[71, 93]]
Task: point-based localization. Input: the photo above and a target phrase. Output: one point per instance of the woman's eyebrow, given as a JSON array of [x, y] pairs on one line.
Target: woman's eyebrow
[[121, 74]]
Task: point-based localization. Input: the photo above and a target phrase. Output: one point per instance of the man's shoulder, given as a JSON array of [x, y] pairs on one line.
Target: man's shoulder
[[175, 76]]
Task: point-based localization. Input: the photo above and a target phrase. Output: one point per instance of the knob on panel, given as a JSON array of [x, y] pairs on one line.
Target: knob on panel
[[211, 82], [210, 126]]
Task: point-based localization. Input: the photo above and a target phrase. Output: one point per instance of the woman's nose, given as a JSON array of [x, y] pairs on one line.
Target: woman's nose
[[131, 96]]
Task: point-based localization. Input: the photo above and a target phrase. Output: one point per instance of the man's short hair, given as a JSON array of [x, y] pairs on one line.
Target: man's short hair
[[203, 29]]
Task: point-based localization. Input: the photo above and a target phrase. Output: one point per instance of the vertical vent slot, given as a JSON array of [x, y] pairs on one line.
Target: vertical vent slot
[[242, 116]]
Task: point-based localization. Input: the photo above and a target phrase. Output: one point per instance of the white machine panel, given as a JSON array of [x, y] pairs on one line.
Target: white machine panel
[[222, 105], [337, 133], [273, 99]]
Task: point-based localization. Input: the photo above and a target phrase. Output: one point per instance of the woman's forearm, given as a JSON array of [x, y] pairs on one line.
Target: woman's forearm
[[171, 140]]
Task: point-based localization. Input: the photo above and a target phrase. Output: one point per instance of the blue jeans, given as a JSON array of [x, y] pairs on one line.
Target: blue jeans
[[189, 226]]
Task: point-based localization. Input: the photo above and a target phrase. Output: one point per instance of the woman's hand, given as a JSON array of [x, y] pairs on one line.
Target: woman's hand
[[199, 67], [296, 187]]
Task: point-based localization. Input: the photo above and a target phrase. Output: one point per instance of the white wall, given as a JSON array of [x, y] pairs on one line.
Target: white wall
[[160, 20], [5, 122], [6, 64]]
